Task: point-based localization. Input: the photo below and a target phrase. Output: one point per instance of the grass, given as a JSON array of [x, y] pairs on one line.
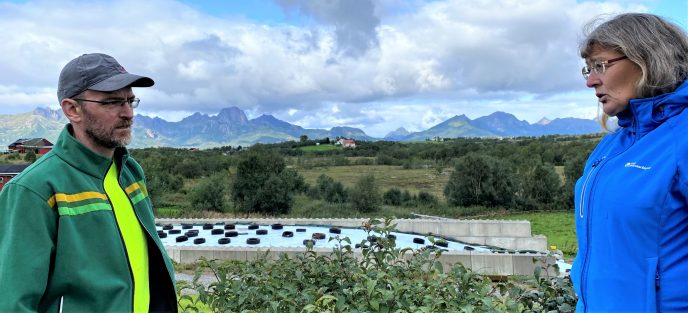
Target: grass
[[321, 148], [386, 177], [14, 158], [558, 227]]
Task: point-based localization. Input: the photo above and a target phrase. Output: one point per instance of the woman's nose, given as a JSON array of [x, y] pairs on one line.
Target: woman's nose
[[592, 80]]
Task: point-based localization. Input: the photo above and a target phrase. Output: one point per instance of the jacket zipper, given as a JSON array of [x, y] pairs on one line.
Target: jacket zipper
[[594, 169], [585, 184]]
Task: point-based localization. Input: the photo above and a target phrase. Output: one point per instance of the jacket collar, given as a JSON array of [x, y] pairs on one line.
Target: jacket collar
[[644, 115], [79, 156]]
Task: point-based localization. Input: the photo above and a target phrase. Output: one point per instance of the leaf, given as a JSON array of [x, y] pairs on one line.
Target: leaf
[[375, 305]]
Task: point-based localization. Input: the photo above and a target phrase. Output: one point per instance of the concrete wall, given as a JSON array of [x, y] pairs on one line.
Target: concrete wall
[[498, 264], [512, 235]]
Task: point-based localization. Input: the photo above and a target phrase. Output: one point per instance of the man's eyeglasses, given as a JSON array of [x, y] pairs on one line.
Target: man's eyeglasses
[[599, 66], [132, 102]]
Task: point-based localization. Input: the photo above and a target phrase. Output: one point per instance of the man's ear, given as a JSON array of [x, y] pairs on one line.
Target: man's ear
[[71, 109]]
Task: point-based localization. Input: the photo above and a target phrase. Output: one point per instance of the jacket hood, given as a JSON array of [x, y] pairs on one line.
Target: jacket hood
[[644, 115]]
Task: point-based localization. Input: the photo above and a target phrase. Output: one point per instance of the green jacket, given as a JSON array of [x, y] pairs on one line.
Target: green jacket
[[60, 247]]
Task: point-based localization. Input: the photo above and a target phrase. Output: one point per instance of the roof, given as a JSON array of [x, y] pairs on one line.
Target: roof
[[37, 142], [18, 141], [32, 142], [12, 168]]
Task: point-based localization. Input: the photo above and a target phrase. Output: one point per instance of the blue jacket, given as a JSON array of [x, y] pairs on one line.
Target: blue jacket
[[632, 212]]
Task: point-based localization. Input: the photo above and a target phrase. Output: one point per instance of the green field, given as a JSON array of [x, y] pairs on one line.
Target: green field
[[386, 177], [13, 158], [558, 227], [321, 148]]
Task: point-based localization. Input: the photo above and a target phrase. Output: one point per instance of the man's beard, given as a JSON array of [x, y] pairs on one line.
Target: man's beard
[[106, 137]]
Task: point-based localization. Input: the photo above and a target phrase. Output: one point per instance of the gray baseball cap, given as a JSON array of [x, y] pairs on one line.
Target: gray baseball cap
[[96, 71]]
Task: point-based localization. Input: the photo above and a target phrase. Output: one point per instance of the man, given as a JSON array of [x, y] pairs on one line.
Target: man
[[77, 232]]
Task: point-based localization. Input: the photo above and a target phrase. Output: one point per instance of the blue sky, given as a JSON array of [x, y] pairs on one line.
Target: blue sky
[[373, 64]]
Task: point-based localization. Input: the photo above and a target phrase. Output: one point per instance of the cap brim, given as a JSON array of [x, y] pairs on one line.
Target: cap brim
[[120, 81]]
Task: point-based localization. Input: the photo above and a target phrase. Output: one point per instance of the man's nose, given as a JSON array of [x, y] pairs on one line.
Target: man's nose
[[126, 111]]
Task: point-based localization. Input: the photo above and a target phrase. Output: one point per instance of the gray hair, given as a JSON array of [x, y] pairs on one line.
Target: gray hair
[[657, 46]]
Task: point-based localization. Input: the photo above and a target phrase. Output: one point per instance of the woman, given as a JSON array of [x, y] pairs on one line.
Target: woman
[[632, 201]]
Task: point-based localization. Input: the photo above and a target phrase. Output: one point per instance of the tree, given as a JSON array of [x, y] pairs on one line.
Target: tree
[[573, 169], [541, 186], [480, 180], [160, 182], [303, 138], [365, 196], [189, 167], [328, 189], [30, 156], [209, 194], [262, 185]]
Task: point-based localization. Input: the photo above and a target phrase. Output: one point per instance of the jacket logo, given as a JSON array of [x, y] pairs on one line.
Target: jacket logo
[[633, 164]]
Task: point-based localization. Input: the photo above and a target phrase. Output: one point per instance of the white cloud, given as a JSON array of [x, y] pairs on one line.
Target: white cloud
[[381, 64]]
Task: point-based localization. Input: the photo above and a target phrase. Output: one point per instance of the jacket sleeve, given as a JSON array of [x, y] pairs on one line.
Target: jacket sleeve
[[27, 243]]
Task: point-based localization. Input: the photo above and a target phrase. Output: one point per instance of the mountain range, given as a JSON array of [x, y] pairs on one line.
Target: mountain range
[[231, 127]]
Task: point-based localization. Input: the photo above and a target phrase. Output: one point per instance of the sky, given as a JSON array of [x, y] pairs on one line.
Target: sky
[[372, 64]]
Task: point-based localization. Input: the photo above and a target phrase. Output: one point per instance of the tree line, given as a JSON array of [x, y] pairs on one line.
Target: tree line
[[514, 174]]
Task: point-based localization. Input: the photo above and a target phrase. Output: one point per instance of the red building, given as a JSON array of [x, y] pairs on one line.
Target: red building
[[37, 145], [9, 171], [346, 143]]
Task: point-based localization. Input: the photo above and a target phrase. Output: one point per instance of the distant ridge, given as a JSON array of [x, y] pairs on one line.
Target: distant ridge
[[231, 127], [398, 134], [543, 121]]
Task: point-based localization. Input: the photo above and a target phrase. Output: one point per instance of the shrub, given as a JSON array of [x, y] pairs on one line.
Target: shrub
[[392, 196], [426, 198], [209, 194], [384, 279], [363, 161], [541, 186], [386, 160], [406, 198], [160, 182], [263, 184], [480, 180], [364, 196], [340, 161], [30, 156], [328, 189]]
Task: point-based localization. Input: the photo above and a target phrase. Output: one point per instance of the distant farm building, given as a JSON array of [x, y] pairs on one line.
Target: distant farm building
[[9, 171], [346, 143], [37, 145]]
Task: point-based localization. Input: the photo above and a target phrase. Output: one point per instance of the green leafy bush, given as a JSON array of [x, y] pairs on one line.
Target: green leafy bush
[[480, 180], [384, 278], [328, 189], [426, 198], [263, 184], [392, 196], [365, 195], [30, 156], [209, 194]]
